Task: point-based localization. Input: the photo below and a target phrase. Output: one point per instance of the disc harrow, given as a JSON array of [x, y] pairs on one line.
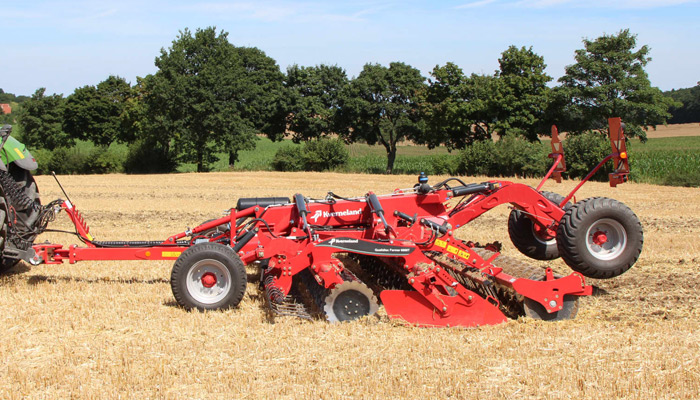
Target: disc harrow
[[403, 244]]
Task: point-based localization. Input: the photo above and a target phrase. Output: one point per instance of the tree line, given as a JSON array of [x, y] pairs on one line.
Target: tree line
[[210, 97]]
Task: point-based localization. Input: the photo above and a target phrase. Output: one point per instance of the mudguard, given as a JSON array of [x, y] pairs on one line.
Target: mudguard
[[14, 151]]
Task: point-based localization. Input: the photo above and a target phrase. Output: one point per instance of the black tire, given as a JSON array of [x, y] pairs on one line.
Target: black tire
[[5, 263], [23, 209], [600, 238], [527, 240], [26, 213], [207, 264]]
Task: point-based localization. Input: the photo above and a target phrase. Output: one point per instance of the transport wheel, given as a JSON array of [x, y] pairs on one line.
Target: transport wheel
[[600, 237], [530, 238], [208, 276]]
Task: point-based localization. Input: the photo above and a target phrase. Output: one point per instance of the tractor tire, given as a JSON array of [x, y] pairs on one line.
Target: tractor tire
[[600, 238], [526, 237], [208, 276], [23, 209], [28, 203], [6, 263]]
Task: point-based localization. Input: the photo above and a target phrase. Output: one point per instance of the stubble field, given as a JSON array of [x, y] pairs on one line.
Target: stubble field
[[113, 330]]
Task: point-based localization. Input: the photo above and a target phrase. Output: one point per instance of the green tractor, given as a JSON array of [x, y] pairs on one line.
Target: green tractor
[[21, 213]]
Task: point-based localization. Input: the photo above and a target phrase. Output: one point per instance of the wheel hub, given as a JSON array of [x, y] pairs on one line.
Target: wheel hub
[[208, 280], [348, 301], [600, 238], [606, 239]]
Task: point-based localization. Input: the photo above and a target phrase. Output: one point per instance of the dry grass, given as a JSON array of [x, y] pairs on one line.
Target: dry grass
[[112, 330], [692, 129]]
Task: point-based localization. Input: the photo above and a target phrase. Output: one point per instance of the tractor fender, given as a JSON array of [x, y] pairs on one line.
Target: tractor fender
[[14, 151]]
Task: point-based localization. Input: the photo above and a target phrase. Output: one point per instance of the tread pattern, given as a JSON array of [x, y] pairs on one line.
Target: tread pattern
[[520, 230], [571, 238], [202, 251]]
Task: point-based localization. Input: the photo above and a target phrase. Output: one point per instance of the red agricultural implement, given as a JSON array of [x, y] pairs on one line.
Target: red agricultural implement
[[332, 256]]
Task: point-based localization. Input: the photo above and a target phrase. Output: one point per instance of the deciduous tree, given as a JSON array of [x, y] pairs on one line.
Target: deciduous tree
[[688, 107], [609, 80], [457, 109], [380, 106], [41, 119], [95, 113], [314, 99], [211, 96], [522, 95]]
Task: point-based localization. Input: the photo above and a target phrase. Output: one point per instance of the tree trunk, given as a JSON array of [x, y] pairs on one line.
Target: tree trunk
[[232, 158], [200, 161], [390, 158]]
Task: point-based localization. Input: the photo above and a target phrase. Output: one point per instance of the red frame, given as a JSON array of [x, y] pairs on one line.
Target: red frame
[[290, 248]]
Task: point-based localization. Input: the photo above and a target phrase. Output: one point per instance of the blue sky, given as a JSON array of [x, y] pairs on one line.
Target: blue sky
[[65, 44]]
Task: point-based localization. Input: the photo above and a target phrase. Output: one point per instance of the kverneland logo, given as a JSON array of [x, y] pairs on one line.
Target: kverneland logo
[[325, 214], [335, 241]]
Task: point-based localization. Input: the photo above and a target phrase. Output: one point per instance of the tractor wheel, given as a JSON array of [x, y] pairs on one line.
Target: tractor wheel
[[29, 193], [600, 237], [208, 276], [531, 239], [5, 263], [23, 206]]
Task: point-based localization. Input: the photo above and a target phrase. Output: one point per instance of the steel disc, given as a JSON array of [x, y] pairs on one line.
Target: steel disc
[[348, 301]]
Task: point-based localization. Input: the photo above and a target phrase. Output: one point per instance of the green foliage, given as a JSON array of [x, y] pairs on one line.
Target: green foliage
[[609, 80], [316, 155], [517, 156], [260, 99], [479, 158], [288, 158], [456, 109], [380, 106], [41, 120], [210, 96], [324, 154], [687, 108], [666, 167], [8, 98], [148, 157], [511, 156], [522, 94], [96, 113], [83, 158], [443, 165], [584, 151], [314, 99], [460, 110]]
